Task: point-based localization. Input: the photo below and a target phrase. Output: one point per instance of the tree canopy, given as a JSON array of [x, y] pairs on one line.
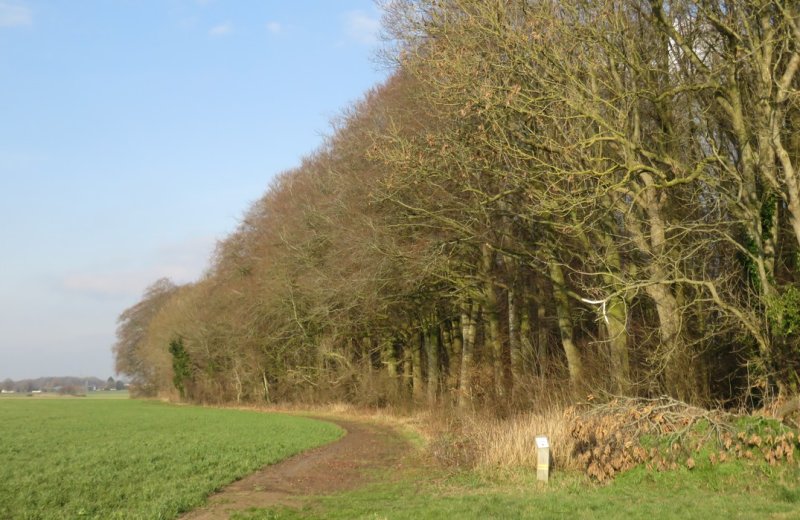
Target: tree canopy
[[572, 196]]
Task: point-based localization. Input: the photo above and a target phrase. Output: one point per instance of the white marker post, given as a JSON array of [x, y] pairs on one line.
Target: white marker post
[[542, 458]]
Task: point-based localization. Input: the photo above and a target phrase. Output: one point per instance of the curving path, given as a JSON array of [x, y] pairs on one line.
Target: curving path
[[342, 465]]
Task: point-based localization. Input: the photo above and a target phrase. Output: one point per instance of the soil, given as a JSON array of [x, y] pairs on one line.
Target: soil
[[362, 456]]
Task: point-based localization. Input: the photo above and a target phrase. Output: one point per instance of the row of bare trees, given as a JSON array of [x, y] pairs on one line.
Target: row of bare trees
[[546, 198]]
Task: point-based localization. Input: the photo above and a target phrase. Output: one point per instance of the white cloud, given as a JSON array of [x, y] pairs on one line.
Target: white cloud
[[193, 253], [14, 15], [181, 262], [189, 22], [104, 285], [361, 27], [274, 27], [221, 29], [123, 284]]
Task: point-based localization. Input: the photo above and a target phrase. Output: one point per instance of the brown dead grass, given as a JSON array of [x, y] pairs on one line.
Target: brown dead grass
[[462, 439], [509, 443], [493, 444], [601, 439]]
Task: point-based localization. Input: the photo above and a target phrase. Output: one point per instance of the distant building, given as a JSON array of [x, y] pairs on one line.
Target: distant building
[[7, 391]]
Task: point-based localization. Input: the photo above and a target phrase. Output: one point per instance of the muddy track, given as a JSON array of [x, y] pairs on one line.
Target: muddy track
[[356, 459]]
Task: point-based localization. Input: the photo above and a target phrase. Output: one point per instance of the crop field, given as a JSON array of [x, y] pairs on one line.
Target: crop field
[[117, 458]]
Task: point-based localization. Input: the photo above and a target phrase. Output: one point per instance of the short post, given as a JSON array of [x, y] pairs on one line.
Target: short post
[[542, 458]]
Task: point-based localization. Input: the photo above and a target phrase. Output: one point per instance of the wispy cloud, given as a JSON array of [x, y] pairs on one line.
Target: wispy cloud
[[111, 285], [14, 15], [361, 27], [187, 22], [181, 262], [222, 29], [274, 27]]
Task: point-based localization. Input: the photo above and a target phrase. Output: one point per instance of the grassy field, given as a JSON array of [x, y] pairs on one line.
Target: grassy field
[[116, 458], [112, 458], [103, 394], [731, 491]]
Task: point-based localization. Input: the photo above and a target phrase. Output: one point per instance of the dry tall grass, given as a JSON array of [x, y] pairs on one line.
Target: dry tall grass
[[488, 443], [466, 440], [508, 443], [485, 442]]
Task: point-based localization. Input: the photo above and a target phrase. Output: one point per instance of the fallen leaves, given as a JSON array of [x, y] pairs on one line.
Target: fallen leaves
[[664, 434]]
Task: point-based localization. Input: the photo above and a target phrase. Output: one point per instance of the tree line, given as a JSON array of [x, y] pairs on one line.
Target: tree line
[[65, 384], [546, 199]]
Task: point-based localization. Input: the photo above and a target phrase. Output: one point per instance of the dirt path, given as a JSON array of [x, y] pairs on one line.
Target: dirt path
[[342, 465]]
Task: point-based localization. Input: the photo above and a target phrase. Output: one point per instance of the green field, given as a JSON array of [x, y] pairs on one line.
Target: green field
[[116, 458], [113, 458]]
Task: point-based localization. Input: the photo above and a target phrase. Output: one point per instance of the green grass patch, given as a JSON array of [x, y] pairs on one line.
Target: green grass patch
[[737, 490], [117, 458], [108, 394]]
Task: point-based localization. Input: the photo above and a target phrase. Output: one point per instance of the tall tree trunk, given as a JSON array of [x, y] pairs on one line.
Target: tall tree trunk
[[515, 340], [454, 359], [492, 320], [565, 328], [418, 384], [432, 348], [390, 360], [266, 386], [529, 365], [617, 333], [408, 368], [672, 356], [616, 318], [677, 360], [540, 351], [366, 358], [469, 317]]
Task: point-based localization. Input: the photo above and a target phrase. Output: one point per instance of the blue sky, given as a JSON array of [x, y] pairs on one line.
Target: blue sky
[[134, 134]]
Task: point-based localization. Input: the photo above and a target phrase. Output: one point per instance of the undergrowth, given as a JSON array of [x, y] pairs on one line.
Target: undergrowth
[[600, 440]]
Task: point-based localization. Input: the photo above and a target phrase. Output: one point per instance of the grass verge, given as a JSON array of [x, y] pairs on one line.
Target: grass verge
[[735, 490], [494, 476]]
